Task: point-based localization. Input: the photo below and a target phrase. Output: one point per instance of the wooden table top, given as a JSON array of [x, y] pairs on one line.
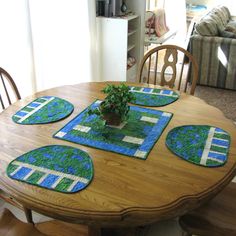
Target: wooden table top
[[124, 190]]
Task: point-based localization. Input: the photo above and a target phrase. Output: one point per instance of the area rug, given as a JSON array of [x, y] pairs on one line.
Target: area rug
[[223, 99], [135, 137], [55, 167]]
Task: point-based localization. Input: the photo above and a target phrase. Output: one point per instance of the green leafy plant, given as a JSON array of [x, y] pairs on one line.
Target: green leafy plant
[[114, 109]]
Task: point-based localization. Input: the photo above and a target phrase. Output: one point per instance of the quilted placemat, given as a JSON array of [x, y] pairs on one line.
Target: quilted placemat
[[134, 138], [43, 110], [153, 97], [56, 167], [200, 144]]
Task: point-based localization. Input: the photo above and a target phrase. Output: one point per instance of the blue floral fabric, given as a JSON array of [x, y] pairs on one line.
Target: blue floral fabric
[[43, 110], [153, 97], [56, 167], [200, 144]]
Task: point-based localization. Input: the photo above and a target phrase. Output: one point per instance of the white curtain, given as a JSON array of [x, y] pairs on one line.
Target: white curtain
[[63, 41], [16, 44], [48, 43]]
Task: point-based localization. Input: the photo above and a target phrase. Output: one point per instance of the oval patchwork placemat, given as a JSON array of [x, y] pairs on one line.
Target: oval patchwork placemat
[[56, 167], [43, 110], [200, 144], [153, 97]]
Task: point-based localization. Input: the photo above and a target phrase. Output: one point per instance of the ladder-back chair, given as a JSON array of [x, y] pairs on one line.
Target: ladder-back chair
[[8, 90], [169, 65]]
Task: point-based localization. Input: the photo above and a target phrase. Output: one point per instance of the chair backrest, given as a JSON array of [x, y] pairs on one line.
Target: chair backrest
[[8, 90], [169, 65]]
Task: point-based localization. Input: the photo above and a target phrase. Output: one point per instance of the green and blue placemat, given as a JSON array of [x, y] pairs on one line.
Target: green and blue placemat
[[134, 138], [200, 144], [56, 167], [153, 96], [43, 110]]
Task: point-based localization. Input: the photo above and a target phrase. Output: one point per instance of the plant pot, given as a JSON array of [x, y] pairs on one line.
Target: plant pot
[[112, 119]]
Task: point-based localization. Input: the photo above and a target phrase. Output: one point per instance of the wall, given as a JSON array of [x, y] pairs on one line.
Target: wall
[[209, 3], [231, 4]]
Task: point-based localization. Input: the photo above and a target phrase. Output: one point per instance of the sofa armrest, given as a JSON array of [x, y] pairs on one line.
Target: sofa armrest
[[212, 40], [216, 58]]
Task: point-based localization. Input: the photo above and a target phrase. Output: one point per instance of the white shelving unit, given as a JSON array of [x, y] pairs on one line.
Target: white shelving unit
[[118, 39], [132, 32]]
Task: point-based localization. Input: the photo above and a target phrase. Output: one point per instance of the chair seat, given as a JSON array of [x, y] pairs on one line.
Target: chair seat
[[217, 217], [11, 226]]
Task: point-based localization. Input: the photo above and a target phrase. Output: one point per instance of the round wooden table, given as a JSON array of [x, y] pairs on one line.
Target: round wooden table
[[125, 191]]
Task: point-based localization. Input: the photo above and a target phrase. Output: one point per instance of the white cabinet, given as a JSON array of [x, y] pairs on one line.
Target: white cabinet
[[118, 38]]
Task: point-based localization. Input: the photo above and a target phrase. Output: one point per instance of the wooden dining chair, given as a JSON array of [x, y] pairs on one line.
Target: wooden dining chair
[[8, 90], [169, 65], [216, 218], [8, 94], [11, 226]]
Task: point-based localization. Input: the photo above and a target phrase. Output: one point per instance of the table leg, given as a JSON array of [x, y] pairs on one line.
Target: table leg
[[94, 231], [122, 232], [28, 214]]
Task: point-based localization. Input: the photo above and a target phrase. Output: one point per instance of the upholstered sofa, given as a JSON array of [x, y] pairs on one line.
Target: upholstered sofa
[[213, 44]]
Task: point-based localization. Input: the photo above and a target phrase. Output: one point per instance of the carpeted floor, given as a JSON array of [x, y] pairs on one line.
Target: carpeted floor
[[223, 99]]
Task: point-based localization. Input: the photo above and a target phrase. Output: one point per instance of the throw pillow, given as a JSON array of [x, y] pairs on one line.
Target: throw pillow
[[222, 14], [230, 29], [231, 26]]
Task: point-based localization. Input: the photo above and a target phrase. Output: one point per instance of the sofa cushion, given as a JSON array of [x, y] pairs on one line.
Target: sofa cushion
[[223, 14], [207, 27], [214, 22]]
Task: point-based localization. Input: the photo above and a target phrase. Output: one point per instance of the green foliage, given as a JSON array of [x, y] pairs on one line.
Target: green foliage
[[116, 101]]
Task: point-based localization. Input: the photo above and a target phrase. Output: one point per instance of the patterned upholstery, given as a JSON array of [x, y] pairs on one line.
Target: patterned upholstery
[[216, 56], [215, 21]]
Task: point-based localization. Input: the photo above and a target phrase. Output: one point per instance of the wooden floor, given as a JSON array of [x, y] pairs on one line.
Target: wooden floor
[[59, 228], [52, 227]]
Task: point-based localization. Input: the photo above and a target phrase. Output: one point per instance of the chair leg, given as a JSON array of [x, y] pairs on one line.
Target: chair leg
[[28, 214], [186, 234]]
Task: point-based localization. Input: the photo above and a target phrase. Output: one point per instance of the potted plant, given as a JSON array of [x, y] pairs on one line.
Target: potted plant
[[114, 109]]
